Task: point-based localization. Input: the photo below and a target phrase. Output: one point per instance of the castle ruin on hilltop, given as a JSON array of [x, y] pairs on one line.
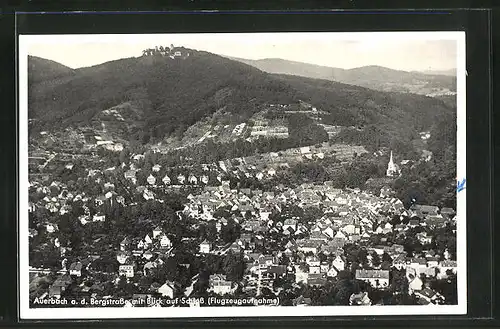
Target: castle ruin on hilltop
[[172, 52]]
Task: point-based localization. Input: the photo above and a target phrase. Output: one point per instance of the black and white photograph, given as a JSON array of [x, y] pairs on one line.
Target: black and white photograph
[[214, 175]]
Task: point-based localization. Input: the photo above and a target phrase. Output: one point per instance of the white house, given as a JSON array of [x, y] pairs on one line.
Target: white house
[[99, 218], [167, 290], [151, 179], [329, 232], [147, 255], [192, 179], [446, 265], [340, 235], [140, 244], [165, 242], [127, 270], [415, 285], [50, 228], [290, 224], [339, 263], [166, 180], [332, 272], [156, 232], [350, 229], [205, 247], [219, 285], [121, 257], [301, 276]]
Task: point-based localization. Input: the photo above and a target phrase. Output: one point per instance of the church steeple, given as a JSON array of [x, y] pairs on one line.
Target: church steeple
[[392, 168]]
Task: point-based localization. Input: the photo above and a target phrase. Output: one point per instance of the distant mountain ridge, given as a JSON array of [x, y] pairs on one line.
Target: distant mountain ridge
[[373, 76], [450, 72]]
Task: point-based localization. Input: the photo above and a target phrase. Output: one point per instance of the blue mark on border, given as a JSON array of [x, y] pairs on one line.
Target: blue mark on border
[[461, 185]]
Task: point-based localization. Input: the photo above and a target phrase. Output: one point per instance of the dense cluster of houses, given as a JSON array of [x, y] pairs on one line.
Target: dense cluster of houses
[[348, 216], [343, 217]]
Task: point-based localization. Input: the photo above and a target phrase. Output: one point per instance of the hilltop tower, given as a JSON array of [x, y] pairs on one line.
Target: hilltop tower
[[392, 168]]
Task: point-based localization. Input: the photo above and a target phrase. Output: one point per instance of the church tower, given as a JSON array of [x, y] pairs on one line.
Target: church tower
[[392, 168]]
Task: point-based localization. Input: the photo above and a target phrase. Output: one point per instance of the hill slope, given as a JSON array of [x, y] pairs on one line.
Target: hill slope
[[162, 96], [40, 69], [165, 94], [374, 77]]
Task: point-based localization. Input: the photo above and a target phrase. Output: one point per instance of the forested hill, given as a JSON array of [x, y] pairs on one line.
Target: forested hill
[[165, 95], [40, 69]]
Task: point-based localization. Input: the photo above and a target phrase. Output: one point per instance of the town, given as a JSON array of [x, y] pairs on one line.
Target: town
[[107, 222]]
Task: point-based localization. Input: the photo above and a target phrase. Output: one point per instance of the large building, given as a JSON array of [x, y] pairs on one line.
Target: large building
[[377, 278]]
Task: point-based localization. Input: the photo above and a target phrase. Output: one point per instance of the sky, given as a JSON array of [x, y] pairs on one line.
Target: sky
[[408, 51]]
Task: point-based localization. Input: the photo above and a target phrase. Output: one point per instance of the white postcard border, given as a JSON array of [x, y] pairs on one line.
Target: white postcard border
[[27, 313]]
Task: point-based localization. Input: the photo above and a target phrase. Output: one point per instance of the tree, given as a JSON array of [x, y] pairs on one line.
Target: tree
[[303, 131], [145, 282], [233, 266], [385, 265], [386, 257], [124, 156], [230, 232], [375, 260]]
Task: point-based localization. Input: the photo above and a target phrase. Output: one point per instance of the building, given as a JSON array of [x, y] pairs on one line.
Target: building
[[122, 257], [151, 180], [448, 265], [148, 267], [360, 299], [392, 168], [165, 242], [167, 289], [124, 244], [127, 270], [290, 224], [377, 278], [266, 261], [448, 213], [428, 296], [339, 263], [219, 285], [156, 232], [423, 211], [166, 180], [415, 284], [59, 286], [205, 247], [192, 179], [302, 301]]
